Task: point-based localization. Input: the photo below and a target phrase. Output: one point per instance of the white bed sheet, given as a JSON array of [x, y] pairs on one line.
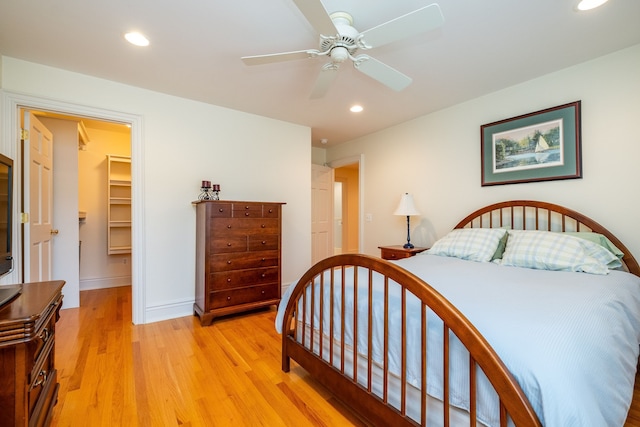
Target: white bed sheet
[[570, 339]]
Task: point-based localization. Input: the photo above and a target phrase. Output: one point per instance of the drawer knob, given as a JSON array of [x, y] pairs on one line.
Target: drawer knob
[[264, 242], [228, 298], [42, 378], [229, 262], [263, 226], [229, 244], [262, 292], [246, 207], [44, 336], [229, 226], [270, 210], [263, 259], [220, 210], [229, 280], [264, 275], [246, 214]]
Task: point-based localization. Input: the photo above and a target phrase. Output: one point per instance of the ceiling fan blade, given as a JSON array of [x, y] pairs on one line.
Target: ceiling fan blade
[[413, 23], [325, 79], [317, 16], [280, 57], [381, 72]]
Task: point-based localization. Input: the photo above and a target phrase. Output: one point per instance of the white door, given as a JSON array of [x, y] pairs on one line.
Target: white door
[[321, 212], [38, 202]]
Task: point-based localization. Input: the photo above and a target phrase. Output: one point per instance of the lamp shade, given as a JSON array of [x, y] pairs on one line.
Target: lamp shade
[[406, 206]]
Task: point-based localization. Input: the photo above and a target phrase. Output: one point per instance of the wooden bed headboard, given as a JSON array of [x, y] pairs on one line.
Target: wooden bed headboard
[[534, 215]]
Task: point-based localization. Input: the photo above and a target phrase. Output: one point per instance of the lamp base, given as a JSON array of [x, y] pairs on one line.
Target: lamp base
[[408, 246]]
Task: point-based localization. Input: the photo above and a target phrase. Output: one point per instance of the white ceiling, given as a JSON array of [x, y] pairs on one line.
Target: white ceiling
[[196, 46]]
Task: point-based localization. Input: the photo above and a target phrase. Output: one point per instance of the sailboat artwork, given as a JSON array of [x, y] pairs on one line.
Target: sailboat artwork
[[541, 146], [528, 148]]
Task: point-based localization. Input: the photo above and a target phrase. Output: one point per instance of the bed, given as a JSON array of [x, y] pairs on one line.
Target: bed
[[468, 333]]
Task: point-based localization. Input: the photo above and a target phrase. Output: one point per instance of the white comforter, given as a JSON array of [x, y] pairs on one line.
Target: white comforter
[[570, 339]]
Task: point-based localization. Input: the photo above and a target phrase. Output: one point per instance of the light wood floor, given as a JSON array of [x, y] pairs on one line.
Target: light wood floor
[[177, 373]]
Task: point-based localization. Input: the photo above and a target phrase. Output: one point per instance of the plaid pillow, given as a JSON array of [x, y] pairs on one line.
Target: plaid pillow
[[545, 250], [474, 244]]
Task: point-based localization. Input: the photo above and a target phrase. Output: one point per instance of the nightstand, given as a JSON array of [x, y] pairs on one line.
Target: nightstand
[[398, 252]]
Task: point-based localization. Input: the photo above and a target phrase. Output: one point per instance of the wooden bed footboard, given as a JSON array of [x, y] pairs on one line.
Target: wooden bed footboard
[[322, 347]]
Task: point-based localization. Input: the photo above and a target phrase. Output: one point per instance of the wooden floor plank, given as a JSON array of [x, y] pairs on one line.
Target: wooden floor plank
[[178, 373]]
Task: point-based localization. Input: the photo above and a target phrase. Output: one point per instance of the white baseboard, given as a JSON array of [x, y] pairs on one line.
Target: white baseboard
[[169, 311], [104, 283]]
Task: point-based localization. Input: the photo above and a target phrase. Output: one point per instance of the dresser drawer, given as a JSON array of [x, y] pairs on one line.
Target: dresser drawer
[[41, 378], [244, 295], [229, 244], [220, 210], [265, 242], [242, 210], [243, 278], [234, 226], [271, 211], [240, 261]]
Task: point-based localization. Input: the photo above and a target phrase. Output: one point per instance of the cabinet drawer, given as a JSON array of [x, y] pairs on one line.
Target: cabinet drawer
[[243, 278], [244, 295], [241, 210], [264, 242], [240, 261], [232, 226], [42, 378], [220, 210], [229, 244], [271, 211]]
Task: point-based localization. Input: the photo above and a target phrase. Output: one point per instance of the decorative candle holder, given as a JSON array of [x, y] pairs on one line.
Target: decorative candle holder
[[209, 192], [205, 191]]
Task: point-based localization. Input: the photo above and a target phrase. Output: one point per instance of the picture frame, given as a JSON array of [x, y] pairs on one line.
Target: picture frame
[[541, 146]]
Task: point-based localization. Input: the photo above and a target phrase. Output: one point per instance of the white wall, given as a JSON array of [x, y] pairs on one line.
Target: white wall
[[437, 157], [185, 142]]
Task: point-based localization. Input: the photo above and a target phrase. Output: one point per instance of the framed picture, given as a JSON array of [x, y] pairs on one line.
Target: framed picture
[[540, 146]]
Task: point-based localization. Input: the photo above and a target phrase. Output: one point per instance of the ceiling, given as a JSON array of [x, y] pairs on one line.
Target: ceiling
[[195, 51]]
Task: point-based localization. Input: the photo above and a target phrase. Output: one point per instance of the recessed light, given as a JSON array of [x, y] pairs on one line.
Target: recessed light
[[590, 4], [136, 38], [356, 108]]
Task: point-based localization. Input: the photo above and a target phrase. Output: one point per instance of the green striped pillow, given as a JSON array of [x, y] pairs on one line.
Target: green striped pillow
[[545, 250], [474, 244]]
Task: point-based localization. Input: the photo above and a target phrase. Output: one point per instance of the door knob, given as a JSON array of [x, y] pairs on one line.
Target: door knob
[[54, 231]]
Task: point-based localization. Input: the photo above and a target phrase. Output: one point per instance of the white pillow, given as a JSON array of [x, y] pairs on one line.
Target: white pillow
[[545, 250], [474, 244]]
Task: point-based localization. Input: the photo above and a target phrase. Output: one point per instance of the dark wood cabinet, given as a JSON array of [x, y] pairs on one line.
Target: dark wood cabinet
[[28, 378], [238, 257]]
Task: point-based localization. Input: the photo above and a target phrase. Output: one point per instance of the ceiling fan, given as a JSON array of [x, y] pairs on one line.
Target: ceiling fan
[[340, 41]]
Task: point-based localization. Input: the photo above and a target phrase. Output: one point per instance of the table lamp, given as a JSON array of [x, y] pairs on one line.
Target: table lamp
[[407, 207]]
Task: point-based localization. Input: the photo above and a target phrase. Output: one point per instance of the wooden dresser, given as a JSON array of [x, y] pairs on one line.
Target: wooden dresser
[[238, 257], [28, 378]]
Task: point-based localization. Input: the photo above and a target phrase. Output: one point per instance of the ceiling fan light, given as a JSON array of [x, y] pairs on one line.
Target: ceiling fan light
[[339, 54], [590, 4]]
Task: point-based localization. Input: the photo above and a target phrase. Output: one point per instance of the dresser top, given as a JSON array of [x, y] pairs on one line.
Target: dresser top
[[22, 314], [237, 201]]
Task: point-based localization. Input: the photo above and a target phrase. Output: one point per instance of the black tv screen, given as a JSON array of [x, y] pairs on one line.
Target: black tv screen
[[6, 214]]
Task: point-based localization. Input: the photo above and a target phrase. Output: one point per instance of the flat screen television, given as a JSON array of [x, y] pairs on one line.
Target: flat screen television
[[6, 214]]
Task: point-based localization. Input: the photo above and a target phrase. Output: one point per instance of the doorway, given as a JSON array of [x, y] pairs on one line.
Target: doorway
[[347, 224], [11, 122], [81, 150]]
